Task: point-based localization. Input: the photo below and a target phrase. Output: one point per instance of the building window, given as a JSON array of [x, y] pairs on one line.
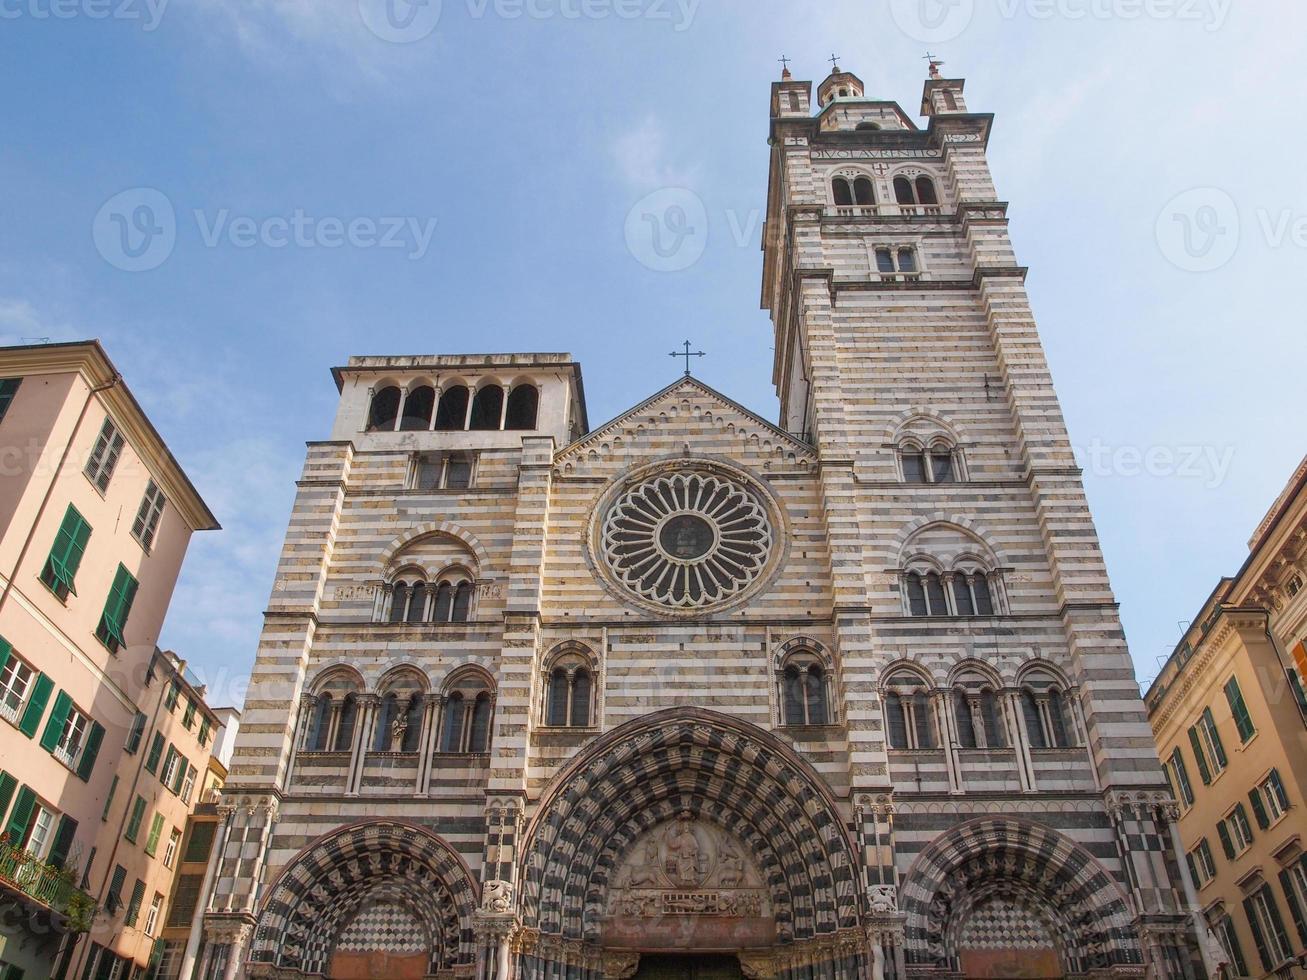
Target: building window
[[1268, 928], [1202, 867], [1047, 713], [419, 404], [384, 410], [156, 831], [938, 464], [134, 822], [897, 260], [105, 455], [849, 191], [1179, 775], [909, 713], [200, 844], [66, 555], [148, 514], [170, 849], [114, 899], [319, 725], [68, 734], [569, 697], [16, 681], [1208, 749], [442, 471], [1269, 799], [1229, 939], [206, 728], [135, 735], [523, 407], [8, 389], [805, 691], [468, 711], [977, 713], [957, 593], [152, 917], [133, 914], [920, 191], [188, 784], [487, 409], [1294, 586], [188, 716], [1239, 709], [451, 416], [116, 610], [155, 754], [1236, 832], [186, 899]]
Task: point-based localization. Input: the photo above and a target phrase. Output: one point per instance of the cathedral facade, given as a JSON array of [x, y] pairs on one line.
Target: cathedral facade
[[696, 694]]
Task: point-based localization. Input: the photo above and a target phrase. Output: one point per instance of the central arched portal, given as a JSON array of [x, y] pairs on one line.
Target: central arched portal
[[687, 845]]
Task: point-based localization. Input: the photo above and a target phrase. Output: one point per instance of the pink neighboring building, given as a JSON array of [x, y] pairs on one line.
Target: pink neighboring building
[[95, 518]]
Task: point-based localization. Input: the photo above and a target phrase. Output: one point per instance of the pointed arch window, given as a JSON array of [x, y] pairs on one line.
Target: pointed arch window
[[345, 726], [320, 725], [451, 735], [462, 602], [926, 594], [468, 715], [976, 712], [569, 692], [1047, 712], [479, 730], [938, 464]]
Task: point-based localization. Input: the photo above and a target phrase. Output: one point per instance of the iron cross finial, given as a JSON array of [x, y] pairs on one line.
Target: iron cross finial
[[785, 65], [934, 64], [835, 62], [687, 354]]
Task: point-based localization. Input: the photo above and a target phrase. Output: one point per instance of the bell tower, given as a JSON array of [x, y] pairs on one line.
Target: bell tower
[[906, 353]]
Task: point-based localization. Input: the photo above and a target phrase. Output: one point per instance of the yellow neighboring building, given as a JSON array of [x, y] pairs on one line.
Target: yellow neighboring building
[[1229, 716]]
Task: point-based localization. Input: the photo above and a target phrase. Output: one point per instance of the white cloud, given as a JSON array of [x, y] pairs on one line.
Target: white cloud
[[645, 162]]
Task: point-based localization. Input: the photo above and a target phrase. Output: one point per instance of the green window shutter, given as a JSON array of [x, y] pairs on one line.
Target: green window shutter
[[63, 841], [31, 719], [180, 777], [9, 388], [54, 728], [108, 800], [117, 607], [1250, 910], [134, 906], [1277, 787], [11, 972], [156, 750], [5, 651], [115, 897], [152, 841], [1259, 808], [1239, 709], [23, 807], [1203, 771], [134, 824], [93, 739], [188, 718], [1277, 923], [1295, 908], [1227, 844], [1299, 693], [7, 786], [69, 547], [1193, 870], [205, 729], [170, 699], [136, 734], [1217, 745]]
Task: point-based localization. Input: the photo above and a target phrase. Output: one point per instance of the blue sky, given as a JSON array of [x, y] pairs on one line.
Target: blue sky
[[512, 140]]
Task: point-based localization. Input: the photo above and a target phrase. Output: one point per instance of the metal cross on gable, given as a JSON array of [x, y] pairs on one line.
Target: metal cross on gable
[[687, 354]]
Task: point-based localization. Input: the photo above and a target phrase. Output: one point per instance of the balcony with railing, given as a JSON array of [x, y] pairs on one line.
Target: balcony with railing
[[883, 210], [45, 886]]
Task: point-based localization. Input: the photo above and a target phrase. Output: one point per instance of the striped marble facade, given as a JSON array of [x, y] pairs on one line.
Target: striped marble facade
[[892, 845]]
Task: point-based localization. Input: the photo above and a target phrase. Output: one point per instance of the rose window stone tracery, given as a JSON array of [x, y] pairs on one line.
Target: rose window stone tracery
[[687, 539]]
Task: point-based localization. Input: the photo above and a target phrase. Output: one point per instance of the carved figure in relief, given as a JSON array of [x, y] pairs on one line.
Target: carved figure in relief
[[685, 861], [730, 866], [645, 874]]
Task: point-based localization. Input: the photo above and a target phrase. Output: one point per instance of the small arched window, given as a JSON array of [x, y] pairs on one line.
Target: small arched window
[[345, 726], [965, 722], [384, 410], [914, 463], [443, 610], [976, 712], [478, 740], [320, 724], [843, 192], [417, 603], [451, 734], [926, 594], [864, 193], [523, 405], [910, 716], [451, 416], [866, 126], [1035, 730], [407, 601], [805, 691], [418, 406], [925, 188], [907, 260], [487, 409], [903, 191], [462, 603], [1047, 712], [949, 101], [569, 692], [942, 469]]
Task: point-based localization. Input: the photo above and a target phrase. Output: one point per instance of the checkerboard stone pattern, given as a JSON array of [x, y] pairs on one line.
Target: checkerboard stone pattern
[[879, 860]]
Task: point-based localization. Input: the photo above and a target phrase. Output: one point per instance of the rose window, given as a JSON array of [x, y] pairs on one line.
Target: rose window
[[687, 539]]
